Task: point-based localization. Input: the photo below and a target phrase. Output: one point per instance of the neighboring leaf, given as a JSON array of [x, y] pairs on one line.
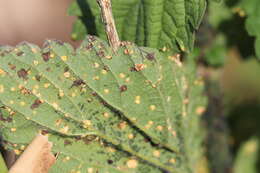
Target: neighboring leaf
[[251, 8], [152, 23], [216, 55], [246, 160], [3, 168], [135, 99]]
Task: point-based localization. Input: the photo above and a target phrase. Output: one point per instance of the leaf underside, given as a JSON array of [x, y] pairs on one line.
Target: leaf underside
[[152, 23], [126, 112]]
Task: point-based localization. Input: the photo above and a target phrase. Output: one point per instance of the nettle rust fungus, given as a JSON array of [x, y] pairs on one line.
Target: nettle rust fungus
[[22, 103], [46, 56], [159, 128], [122, 75], [200, 110], [123, 88], [90, 170], [36, 104], [139, 67], [130, 136], [137, 99], [108, 57], [122, 125], [22, 73], [132, 163], [173, 161], [2, 72], [106, 91], [96, 65], [46, 85], [25, 91], [66, 74], [152, 107], [2, 88], [128, 51], [156, 153], [106, 114], [64, 58]]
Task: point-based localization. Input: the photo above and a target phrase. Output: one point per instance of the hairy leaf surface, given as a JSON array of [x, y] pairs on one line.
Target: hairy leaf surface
[[134, 100], [152, 23]]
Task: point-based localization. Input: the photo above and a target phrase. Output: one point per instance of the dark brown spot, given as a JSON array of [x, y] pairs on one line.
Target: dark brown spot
[[36, 104], [11, 66], [25, 91], [44, 132], [22, 74], [123, 88], [77, 138], [46, 56], [94, 94], [89, 46], [48, 69], [19, 53], [67, 142], [104, 103], [150, 56], [101, 53], [88, 139], [66, 69], [106, 68], [110, 162], [7, 119], [77, 82], [133, 69], [38, 78], [91, 38]]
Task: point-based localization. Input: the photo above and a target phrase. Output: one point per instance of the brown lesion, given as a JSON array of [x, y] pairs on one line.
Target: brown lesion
[[22, 73]]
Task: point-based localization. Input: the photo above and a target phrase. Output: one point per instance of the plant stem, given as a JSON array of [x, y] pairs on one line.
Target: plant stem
[[108, 20]]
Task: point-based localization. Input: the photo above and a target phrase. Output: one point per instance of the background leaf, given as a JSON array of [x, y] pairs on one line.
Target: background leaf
[[152, 23]]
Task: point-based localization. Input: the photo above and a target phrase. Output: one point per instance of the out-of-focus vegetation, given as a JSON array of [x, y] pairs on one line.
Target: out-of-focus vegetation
[[228, 48]]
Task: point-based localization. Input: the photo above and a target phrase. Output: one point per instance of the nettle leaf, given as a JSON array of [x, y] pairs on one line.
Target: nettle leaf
[[251, 8], [135, 101], [153, 23]]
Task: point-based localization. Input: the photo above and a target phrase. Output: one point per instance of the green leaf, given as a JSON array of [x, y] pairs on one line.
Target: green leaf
[[78, 154], [246, 160], [251, 8], [3, 167], [136, 100], [152, 23]]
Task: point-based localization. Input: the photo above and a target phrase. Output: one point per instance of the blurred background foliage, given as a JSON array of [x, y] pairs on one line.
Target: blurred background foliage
[[228, 52]]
